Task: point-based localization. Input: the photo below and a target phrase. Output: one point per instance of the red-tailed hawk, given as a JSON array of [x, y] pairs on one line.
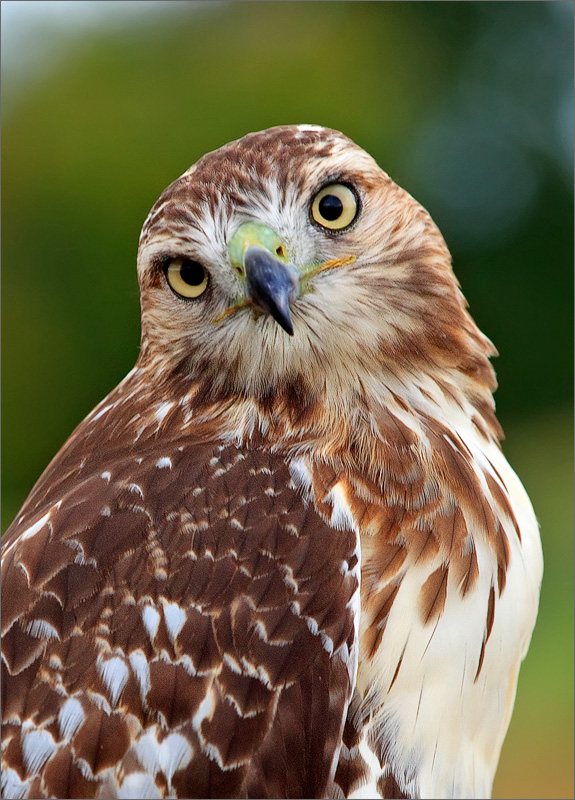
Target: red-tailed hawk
[[286, 556]]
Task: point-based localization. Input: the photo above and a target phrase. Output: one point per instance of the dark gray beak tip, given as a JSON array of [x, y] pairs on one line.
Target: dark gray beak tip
[[284, 319], [270, 285]]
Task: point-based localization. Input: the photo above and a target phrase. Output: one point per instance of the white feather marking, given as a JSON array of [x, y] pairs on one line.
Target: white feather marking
[[41, 629], [232, 664], [172, 754], [33, 529], [175, 754], [141, 785], [175, 617], [70, 716], [135, 489], [139, 432], [37, 747], [85, 769], [141, 669], [164, 462], [205, 710], [114, 673], [100, 701], [304, 127], [261, 631], [214, 754], [327, 643], [151, 619], [187, 663], [312, 625], [341, 518], [300, 475], [106, 476], [368, 790], [13, 787], [23, 568], [102, 412], [162, 410]]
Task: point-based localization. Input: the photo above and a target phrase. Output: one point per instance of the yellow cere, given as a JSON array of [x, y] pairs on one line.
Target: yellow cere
[[253, 233]]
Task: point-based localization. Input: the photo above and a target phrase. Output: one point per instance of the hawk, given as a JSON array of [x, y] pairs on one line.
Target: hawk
[[285, 557]]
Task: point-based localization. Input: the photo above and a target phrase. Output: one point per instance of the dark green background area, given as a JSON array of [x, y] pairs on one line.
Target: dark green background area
[[466, 105]]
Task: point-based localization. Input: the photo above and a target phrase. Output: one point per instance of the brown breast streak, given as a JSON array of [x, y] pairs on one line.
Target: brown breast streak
[[414, 512]]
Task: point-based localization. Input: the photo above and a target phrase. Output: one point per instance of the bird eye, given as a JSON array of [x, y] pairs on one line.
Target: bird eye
[[186, 277], [334, 207]]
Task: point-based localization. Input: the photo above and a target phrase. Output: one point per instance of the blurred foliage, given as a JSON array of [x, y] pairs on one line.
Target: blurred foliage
[[467, 105]]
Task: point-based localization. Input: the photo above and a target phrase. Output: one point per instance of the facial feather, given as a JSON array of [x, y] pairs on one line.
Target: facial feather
[[396, 309]]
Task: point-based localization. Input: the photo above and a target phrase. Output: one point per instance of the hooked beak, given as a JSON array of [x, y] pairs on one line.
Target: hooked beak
[[271, 283]]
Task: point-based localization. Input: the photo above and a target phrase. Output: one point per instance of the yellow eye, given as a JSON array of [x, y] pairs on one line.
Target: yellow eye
[[334, 207], [186, 277]]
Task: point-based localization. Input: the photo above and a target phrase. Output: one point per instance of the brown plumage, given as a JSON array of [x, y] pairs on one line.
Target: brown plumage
[[276, 565]]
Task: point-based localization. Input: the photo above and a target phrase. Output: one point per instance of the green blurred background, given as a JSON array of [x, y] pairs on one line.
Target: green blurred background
[[467, 105]]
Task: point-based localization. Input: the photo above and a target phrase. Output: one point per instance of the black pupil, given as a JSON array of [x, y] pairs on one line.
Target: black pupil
[[191, 272], [330, 207]]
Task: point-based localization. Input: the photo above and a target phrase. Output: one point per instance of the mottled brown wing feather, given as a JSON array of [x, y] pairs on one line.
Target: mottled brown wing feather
[[179, 626]]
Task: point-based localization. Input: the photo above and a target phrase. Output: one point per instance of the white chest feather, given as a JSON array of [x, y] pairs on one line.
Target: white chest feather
[[438, 693]]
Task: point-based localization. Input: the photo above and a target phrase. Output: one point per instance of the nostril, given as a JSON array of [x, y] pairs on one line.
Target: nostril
[[280, 251]]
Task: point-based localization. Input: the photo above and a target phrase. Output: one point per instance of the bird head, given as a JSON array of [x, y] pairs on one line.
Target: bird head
[[289, 257]]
